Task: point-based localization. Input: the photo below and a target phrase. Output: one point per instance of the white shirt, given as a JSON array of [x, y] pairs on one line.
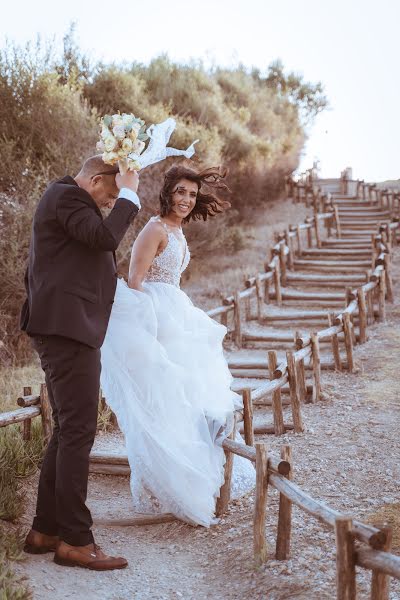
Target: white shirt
[[129, 195]]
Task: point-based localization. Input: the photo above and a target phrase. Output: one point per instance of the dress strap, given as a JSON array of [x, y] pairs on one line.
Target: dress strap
[[158, 218]]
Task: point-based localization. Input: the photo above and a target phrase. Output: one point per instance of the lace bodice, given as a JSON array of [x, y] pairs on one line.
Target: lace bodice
[[168, 266]]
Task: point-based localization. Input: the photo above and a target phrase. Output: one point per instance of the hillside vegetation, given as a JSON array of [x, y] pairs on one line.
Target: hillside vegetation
[[50, 105]]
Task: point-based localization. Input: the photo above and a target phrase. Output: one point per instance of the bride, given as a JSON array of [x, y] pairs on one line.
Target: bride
[[163, 369]]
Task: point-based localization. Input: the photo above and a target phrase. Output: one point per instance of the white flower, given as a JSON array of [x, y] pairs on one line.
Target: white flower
[[117, 120], [127, 145], [100, 146], [105, 132], [110, 158], [133, 134], [119, 132], [110, 143], [138, 147], [127, 119], [121, 153]]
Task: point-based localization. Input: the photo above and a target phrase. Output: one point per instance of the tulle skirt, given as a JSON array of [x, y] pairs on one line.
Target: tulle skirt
[[166, 378]]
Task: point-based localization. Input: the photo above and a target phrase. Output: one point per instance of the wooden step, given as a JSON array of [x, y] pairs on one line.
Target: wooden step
[[343, 202], [291, 314], [358, 225], [339, 252], [348, 243], [367, 212], [356, 264], [269, 335], [326, 364], [351, 233], [291, 294], [314, 278], [362, 220]]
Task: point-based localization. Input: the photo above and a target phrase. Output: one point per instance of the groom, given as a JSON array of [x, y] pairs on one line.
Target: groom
[[70, 283]]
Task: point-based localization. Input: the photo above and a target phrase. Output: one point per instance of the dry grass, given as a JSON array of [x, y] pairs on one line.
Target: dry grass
[[388, 515], [14, 379]]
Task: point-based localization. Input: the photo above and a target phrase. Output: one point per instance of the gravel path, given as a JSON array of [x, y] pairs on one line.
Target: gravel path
[[348, 457]]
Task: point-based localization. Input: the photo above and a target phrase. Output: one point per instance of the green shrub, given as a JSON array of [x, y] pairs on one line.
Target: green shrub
[[12, 586], [18, 459], [49, 109]]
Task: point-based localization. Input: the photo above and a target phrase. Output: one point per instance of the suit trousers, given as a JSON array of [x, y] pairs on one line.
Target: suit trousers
[[72, 371]]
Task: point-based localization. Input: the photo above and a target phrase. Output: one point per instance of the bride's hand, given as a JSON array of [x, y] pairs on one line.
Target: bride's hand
[[129, 180]]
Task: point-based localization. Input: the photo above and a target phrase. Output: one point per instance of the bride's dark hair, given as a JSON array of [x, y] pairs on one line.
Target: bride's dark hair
[[207, 204]]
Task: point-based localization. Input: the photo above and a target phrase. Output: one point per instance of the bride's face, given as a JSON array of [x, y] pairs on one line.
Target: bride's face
[[184, 198]]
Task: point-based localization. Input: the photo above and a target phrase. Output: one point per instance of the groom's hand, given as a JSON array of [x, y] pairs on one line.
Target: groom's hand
[[129, 180]]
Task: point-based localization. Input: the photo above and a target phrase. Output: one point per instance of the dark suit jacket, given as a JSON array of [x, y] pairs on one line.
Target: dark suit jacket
[[71, 276]]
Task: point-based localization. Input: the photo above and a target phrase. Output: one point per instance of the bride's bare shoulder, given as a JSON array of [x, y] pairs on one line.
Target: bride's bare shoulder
[[154, 228]]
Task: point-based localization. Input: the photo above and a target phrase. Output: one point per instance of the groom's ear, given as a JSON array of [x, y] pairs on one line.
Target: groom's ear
[[96, 179]]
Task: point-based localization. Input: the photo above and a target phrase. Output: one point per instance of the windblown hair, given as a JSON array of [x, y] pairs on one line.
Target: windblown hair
[[207, 203]]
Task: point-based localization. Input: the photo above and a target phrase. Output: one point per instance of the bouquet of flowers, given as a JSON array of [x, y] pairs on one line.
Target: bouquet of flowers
[[122, 140], [123, 137]]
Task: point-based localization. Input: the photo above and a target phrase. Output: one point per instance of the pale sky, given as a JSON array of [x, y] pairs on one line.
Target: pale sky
[[352, 46]]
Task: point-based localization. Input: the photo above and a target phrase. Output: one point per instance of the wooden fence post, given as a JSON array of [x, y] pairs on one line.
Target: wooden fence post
[[259, 294], [374, 252], [279, 426], [382, 294], [348, 341], [277, 282], [301, 379], [266, 291], [238, 320], [26, 432], [309, 235], [345, 566], [389, 282], [294, 396], [46, 413], [316, 365], [380, 581], [289, 244], [362, 315], [248, 417], [260, 505], [282, 262], [225, 490], [335, 346], [317, 230], [299, 244], [337, 221], [224, 319], [285, 513]]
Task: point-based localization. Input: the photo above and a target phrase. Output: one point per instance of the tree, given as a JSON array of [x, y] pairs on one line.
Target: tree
[[308, 97]]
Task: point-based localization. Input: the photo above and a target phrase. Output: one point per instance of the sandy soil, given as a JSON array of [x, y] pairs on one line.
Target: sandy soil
[[348, 457]]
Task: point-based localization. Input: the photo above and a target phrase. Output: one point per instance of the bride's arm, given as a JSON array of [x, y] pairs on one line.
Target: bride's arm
[[147, 245]]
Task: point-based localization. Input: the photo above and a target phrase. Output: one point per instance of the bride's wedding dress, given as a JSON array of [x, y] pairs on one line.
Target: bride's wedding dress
[[166, 378]]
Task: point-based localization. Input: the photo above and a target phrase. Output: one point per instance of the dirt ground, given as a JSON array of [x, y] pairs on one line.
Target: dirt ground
[[348, 457]]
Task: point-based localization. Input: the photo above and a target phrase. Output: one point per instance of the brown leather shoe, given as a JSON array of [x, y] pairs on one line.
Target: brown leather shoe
[[88, 557], [40, 543]]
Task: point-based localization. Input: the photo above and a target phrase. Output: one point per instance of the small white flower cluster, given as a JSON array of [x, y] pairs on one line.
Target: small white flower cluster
[[122, 138]]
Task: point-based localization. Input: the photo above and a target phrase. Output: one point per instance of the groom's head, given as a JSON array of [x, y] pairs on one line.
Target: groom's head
[[98, 179]]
